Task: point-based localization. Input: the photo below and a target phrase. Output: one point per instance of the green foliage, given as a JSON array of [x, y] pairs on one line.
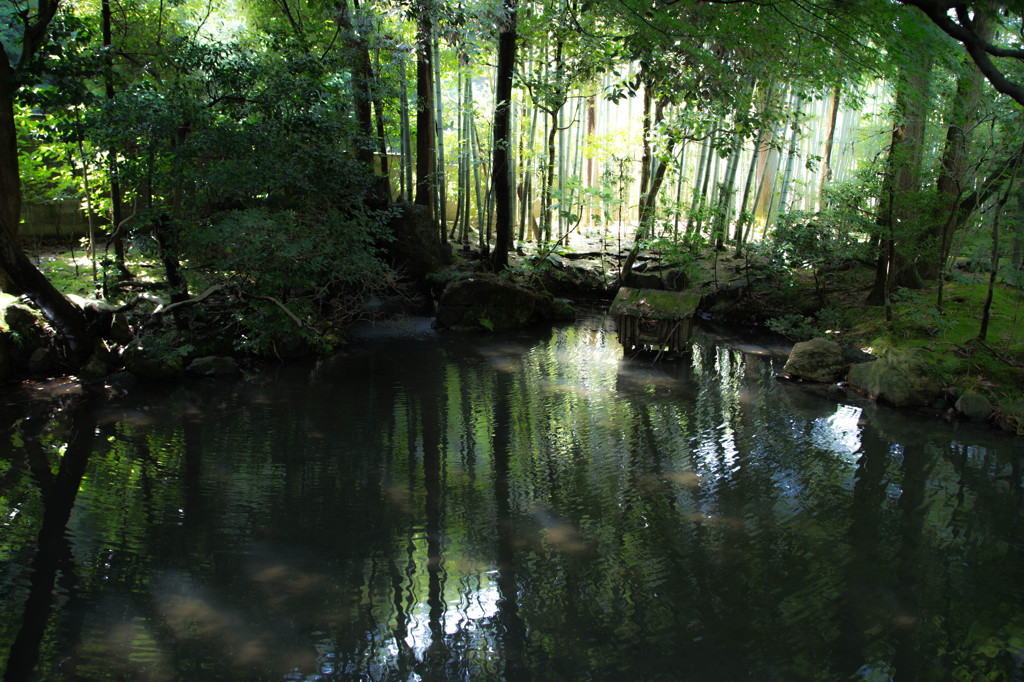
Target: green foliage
[[797, 327], [250, 165], [920, 311]]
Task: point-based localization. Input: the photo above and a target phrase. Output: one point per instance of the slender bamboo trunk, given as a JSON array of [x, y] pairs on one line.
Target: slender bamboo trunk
[[697, 179], [526, 215], [721, 228], [710, 171], [741, 219], [679, 190], [459, 187], [405, 173], [474, 158], [787, 175]]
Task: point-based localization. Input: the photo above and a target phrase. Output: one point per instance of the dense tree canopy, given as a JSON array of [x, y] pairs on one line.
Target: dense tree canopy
[[255, 148]]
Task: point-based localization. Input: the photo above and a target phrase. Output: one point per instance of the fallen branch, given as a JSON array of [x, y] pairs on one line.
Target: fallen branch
[[161, 310], [289, 313], [996, 354]]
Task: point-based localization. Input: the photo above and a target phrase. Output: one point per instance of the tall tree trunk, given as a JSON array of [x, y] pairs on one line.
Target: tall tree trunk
[[116, 203], [549, 175], [646, 214], [902, 181], [382, 140], [647, 160], [547, 198], [441, 182], [10, 173], [424, 109], [503, 190], [826, 156], [460, 187], [362, 77], [405, 173], [994, 268], [18, 275], [679, 189], [953, 177]]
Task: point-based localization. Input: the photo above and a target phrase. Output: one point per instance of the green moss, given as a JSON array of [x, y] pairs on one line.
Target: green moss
[[655, 304]]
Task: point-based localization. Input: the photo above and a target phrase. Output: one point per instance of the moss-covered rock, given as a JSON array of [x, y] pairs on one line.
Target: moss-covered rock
[[816, 360], [489, 302], [902, 378], [974, 407]]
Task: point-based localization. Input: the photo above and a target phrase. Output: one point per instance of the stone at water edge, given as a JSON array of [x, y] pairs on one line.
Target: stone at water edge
[[489, 302], [974, 407], [902, 378], [816, 360]]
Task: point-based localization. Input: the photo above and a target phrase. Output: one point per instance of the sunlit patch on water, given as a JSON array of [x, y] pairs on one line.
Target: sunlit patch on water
[[840, 433]]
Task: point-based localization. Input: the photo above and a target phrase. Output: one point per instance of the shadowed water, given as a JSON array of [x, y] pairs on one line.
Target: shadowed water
[[526, 506]]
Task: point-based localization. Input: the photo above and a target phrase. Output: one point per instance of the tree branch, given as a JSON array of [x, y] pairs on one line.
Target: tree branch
[[980, 50]]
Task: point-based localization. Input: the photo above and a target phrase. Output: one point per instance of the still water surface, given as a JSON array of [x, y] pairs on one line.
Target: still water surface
[[520, 507]]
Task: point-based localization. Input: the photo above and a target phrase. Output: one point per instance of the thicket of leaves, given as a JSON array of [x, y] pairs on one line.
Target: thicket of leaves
[[247, 160]]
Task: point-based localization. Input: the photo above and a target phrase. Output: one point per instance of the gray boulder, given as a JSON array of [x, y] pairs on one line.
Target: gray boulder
[[816, 360], [974, 407], [902, 378]]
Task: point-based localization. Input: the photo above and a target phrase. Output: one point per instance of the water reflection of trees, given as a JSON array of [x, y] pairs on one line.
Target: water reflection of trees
[[515, 510]]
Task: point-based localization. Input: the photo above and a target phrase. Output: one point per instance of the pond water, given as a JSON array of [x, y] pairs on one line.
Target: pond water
[[528, 506]]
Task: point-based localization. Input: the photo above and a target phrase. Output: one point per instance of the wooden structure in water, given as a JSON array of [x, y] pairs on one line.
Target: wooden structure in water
[[654, 320]]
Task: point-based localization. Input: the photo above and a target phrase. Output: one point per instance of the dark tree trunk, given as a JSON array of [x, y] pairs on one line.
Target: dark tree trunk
[[826, 155], [18, 275], [896, 207], [953, 178], [25, 279], [10, 176], [424, 110], [646, 217], [116, 202], [503, 196]]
